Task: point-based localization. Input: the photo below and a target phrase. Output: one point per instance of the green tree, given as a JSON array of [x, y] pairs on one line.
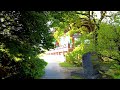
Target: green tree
[[23, 35]]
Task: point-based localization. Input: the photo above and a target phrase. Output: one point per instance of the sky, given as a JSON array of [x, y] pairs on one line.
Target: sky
[[107, 19], [108, 13], [97, 13]]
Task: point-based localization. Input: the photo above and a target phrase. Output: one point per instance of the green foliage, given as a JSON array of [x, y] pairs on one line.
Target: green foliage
[[23, 36], [111, 71], [108, 41], [75, 56], [34, 67], [115, 71]]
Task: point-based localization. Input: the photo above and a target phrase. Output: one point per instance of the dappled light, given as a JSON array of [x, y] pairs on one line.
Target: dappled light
[[59, 44]]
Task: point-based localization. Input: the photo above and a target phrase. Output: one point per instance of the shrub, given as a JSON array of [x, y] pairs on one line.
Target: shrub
[[33, 68], [114, 71], [74, 57]]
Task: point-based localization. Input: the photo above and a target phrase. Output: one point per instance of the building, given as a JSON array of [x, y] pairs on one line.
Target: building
[[65, 44]]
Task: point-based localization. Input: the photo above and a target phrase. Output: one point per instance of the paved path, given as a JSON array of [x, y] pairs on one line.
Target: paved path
[[53, 70]]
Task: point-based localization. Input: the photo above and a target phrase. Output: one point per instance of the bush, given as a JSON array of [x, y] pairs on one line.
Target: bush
[[114, 71], [33, 68], [74, 57]]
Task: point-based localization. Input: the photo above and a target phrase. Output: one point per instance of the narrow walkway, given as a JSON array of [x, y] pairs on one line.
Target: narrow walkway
[[53, 70]]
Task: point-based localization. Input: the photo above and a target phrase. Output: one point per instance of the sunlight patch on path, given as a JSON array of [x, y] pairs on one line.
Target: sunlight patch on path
[[53, 58], [53, 69]]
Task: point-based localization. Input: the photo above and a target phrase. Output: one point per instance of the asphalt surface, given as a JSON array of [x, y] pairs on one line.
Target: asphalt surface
[[53, 69]]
